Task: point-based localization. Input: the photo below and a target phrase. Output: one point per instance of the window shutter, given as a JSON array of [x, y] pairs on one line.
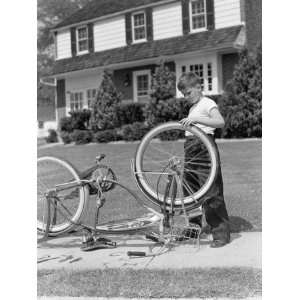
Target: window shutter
[[55, 43], [61, 93], [91, 37], [185, 16], [73, 41], [210, 14], [128, 28], [149, 24]]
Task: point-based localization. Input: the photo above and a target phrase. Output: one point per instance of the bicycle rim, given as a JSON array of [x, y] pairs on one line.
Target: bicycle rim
[[156, 155], [52, 171]]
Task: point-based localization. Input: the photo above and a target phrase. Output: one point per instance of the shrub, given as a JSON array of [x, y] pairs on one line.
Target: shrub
[[103, 108], [105, 136], [163, 83], [173, 109], [172, 135], [81, 136], [77, 120], [65, 124], [128, 113], [134, 132], [52, 136], [241, 106], [80, 119], [66, 137]]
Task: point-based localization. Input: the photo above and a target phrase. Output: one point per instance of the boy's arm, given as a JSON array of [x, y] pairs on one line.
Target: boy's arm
[[214, 120]]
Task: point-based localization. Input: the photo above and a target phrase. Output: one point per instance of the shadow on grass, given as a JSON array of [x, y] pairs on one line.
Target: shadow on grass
[[238, 224]]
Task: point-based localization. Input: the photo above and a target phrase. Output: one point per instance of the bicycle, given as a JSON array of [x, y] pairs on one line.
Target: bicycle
[[158, 168]]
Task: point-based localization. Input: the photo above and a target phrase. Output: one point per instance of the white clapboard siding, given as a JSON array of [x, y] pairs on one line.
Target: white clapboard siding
[[167, 21], [227, 13], [109, 33], [63, 44]]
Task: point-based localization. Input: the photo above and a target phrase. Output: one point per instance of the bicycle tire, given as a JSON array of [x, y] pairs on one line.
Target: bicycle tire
[[51, 172], [191, 201]]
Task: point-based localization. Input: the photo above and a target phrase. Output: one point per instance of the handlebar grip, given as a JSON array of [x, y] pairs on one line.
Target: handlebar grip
[[136, 253]]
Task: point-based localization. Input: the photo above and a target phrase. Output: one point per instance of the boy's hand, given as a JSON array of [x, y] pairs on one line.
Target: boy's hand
[[186, 122]]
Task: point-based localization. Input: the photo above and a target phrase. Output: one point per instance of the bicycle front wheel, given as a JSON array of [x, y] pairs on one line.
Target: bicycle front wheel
[[164, 151], [52, 172]]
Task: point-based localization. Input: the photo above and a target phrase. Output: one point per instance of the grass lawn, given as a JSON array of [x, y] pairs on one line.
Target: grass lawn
[[241, 167], [215, 282]]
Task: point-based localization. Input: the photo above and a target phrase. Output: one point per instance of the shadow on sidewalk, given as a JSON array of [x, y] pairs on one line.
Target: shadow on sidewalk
[[238, 224]]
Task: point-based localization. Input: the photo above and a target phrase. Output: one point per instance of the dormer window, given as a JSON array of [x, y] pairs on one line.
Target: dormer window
[[139, 27], [82, 40], [197, 15]]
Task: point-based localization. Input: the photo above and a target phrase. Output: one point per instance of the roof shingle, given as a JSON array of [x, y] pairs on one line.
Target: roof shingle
[[207, 40]]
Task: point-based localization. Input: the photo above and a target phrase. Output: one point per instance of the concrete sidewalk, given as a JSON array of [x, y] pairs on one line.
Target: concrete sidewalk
[[64, 252]]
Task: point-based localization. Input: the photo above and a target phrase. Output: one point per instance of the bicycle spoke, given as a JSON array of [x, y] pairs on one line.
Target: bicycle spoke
[[186, 185]]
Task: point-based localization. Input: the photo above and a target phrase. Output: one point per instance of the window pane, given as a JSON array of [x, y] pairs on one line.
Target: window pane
[[209, 76], [198, 21], [83, 45], [82, 33], [143, 85], [198, 7], [139, 33], [139, 19]]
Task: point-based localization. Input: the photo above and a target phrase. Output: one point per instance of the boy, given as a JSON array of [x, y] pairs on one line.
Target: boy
[[204, 114]]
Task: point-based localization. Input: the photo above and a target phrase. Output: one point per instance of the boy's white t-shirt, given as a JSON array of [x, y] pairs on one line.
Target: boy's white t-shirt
[[202, 109]]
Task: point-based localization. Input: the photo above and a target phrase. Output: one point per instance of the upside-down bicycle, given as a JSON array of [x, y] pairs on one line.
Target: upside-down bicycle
[[158, 168]]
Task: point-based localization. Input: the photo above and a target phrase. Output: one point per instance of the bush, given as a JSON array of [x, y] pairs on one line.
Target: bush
[[65, 124], [105, 136], [172, 135], [103, 108], [81, 136], [66, 137], [163, 83], [77, 120], [134, 132], [241, 106], [161, 111], [52, 136], [128, 113]]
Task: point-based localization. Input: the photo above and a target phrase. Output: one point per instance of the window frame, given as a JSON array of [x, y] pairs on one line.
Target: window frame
[[77, 40], [135, 83], [88, 98], [134, 41], [70, 100], [191, 17]]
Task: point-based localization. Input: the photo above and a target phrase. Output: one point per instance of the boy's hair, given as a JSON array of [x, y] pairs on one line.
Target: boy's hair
[[189, 79]]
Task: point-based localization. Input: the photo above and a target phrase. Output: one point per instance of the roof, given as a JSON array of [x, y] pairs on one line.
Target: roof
[[207, 40], [100, 8]]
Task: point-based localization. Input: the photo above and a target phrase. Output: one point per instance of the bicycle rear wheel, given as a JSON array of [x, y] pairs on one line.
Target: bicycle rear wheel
[[162, 152], [51, 172]]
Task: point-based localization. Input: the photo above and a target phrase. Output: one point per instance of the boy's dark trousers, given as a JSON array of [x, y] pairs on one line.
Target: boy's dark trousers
[[214, 209]]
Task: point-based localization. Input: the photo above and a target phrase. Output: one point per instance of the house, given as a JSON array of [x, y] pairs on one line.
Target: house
[[131, 37]]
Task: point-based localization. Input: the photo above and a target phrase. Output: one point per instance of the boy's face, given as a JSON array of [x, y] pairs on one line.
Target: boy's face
[[193, 94]]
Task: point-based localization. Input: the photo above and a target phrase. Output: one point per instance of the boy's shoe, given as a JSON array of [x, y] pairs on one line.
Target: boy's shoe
[[218, 244]]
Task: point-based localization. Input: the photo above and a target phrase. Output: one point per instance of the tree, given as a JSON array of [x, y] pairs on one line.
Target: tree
[[242, 103], [103, 108], [50, 13], [163, 83]]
